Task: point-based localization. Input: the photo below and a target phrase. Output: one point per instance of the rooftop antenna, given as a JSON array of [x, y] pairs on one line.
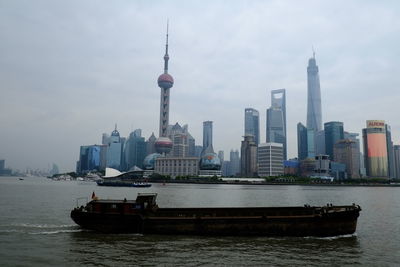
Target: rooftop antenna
[[166, 56], [313, 51]]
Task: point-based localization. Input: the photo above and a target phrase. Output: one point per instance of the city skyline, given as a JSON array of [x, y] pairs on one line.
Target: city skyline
[[84, 69]]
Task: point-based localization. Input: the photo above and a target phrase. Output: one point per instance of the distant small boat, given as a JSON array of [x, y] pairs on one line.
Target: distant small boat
[[21, 179]]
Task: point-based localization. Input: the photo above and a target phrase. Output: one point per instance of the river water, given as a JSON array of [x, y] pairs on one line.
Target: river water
[[36, 230]]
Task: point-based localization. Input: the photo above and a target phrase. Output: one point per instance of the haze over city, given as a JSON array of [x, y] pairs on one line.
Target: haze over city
[[71, 70]]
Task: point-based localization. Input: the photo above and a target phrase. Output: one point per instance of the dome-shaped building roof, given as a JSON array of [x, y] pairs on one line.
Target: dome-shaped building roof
[[210, 161], [163, 145], [150, 161]]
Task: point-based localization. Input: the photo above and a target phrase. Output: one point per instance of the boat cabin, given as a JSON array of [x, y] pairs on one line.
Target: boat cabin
[[144, 201]]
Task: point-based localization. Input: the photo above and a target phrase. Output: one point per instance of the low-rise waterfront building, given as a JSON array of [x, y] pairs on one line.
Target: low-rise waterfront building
[[177, 166]]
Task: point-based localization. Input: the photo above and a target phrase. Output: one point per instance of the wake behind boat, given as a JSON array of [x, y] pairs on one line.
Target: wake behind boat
[[132, 178]]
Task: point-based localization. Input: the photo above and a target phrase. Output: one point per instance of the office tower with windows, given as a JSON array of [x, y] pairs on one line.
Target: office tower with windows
[[270, 159], [347, 152], [114, 150], [248, 166], [333, 133], [276, 119], [396, 157], [234, 166], [252, 123], [389, 144]]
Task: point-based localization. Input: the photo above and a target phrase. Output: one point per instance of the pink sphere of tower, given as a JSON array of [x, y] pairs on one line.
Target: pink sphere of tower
[[165, 81], [163, 145]]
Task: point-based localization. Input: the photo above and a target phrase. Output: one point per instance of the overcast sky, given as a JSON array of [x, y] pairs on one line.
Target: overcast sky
[[70, 70]]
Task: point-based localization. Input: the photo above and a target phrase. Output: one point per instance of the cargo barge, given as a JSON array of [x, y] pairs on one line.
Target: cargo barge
[[145, 217]]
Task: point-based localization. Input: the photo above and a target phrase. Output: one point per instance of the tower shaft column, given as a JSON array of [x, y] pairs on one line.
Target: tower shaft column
[[164, 112]]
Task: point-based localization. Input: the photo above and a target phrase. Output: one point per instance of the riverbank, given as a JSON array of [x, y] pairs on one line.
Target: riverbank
[[238, 182]]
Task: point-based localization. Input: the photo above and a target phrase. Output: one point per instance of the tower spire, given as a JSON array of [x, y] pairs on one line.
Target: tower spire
[[313, 51], [166, 56]]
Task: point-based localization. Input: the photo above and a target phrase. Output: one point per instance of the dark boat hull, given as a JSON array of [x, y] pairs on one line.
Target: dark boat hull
[[246, 222]]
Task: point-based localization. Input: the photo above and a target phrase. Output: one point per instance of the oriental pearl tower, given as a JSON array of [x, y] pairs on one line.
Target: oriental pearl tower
[[165, 81]]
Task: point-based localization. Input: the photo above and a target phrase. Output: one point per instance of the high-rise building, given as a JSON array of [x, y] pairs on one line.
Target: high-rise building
[[150, 144], [276, 119], [375, 149], [225, 168], [252, 123], [270, 159], [114, 150], [311, 143], [3, 170], [347, 152], [333, 133], [319, 143], [234, 165], [165, 81], [105, 139], [183, 142], [354, 137], [192, 146], [302, 152], [221, 158], [207, 135], [221, 155], [248, 166], [389, 144], [314, 113], [91, 158], [305, 142], [135, 150], [396, 156], [198, 150]]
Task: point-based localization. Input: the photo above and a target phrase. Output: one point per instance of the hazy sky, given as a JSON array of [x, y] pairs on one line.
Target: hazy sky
[[70, 70]]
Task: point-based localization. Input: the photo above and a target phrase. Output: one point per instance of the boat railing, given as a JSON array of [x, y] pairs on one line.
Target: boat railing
[[79, 201]]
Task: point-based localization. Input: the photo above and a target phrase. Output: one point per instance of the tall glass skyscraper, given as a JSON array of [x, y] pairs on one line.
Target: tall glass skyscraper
[[389, 144], [135, 150], [333, 133], [314, 113], [114, 150], [252, 123], [302, 151], [396, 156], [276, 119]]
